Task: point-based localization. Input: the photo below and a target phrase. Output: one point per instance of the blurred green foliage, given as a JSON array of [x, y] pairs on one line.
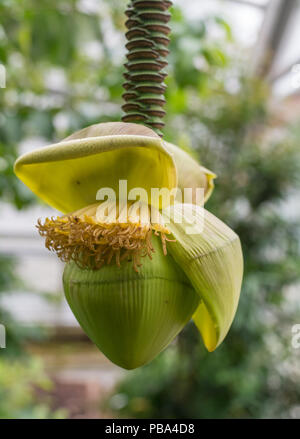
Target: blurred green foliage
[[64, 71], [19, 382]]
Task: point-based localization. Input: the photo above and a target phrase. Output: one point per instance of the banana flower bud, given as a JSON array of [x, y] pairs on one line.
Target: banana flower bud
[[135, 274]]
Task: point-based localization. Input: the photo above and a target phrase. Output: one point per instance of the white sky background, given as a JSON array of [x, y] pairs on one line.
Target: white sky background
[[245, 20], [288, 54]]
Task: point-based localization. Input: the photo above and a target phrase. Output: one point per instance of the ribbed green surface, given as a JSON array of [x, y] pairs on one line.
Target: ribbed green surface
[[147, 50], [210, 254], [131, 316]]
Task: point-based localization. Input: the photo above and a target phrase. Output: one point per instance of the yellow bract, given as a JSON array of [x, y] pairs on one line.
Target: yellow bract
[[67, 175], [190, 173]]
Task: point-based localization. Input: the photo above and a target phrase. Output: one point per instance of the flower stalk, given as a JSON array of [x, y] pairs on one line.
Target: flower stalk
[[147, 46]]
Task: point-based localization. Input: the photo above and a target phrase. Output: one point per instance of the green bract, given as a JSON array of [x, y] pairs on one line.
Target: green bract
[[180, 269], [131, 316]]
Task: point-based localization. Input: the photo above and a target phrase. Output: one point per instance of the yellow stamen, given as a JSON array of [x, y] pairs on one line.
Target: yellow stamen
[[92, 241]]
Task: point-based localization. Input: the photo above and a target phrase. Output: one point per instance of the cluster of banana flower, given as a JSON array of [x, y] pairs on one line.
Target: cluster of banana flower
[[134, 280]]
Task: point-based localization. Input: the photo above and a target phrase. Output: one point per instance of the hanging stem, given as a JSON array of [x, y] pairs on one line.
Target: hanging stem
[[147, 51]]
